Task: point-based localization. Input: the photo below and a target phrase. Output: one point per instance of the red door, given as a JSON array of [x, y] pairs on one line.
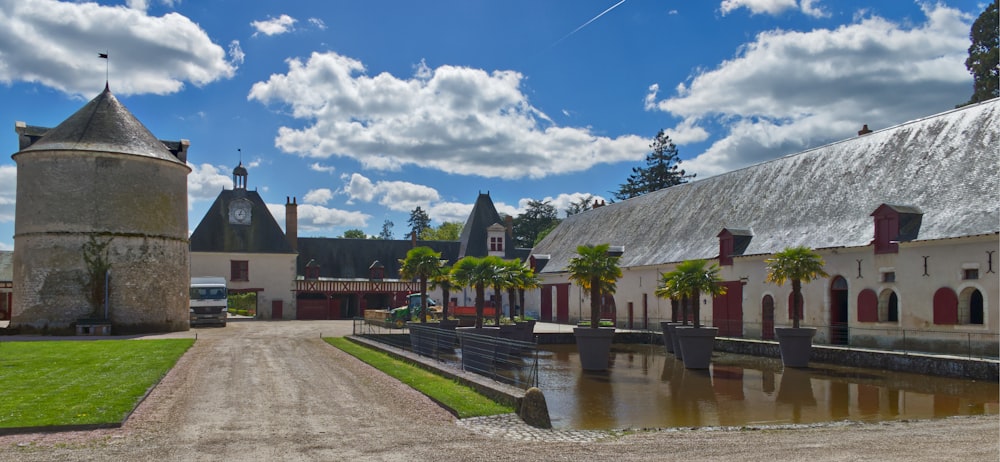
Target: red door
[[546, 304], [277, 309], [312, 309], [767, 318], [562, 303], [334, 309], [727, 310]]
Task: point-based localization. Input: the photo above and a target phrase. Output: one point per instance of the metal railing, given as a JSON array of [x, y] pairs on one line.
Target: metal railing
[[505, 360]]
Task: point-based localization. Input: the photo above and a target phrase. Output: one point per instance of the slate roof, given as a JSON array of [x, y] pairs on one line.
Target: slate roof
[[947, 166], [474, 239], [351, 258], [103, 125], [215, 234], [6, 265]]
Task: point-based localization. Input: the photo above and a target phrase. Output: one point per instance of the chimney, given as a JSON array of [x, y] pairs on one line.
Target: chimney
[[508, 222], [292, 223], [864, 130], [413, 239]]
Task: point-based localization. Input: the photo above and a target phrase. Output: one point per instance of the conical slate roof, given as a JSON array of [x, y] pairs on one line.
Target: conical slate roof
[[103, 125]]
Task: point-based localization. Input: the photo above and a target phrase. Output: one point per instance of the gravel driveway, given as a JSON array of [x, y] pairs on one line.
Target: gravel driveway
[[275, 391]]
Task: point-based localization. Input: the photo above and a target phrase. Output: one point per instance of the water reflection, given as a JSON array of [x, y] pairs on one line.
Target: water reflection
[[646, 389]]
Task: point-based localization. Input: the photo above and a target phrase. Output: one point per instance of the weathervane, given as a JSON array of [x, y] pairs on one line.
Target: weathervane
[[107, 64]]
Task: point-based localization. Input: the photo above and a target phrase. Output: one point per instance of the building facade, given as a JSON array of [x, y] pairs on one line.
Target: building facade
[[907, 220]]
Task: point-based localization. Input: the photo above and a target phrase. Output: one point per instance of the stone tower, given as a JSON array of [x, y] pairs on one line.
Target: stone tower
[[100, 181]]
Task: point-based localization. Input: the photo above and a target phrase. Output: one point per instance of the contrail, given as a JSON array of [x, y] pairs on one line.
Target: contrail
[[595, 18]]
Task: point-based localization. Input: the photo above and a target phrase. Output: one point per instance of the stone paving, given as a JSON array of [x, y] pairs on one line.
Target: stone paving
[[511, 427]]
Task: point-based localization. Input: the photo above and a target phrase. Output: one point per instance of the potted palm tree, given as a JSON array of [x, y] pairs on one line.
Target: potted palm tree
[[595, 269], [478, 352], [524, 278], [665, 290], [441, 279], [690, 279], [798, 265], [421, 263]]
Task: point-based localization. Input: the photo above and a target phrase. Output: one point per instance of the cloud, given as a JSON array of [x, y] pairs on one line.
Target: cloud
[[318, 196], [788, 90], [317, 23], [206, 181], [317, 167], [56, 44], [313, 219], [442, 212], [773, 7], [274, 26], [236, 55], [400, 196], [458, 120], [8, 193]]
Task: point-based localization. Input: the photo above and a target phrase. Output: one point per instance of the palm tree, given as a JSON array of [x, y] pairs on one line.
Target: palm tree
[[796, 264], [688, 281], [594, 269], [420, 263], [523, 278], [441, 279], [476, 272], [502, 280]]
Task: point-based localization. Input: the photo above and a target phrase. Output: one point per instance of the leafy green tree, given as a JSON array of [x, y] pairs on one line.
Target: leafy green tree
[[580, 205], [662, 170], [984, 56], [355, 234], [478, 273], [796, 264], [421, 263], [594, 269], [539, 215], [418, 221], [447, 231], [386, 234], [688, 281]]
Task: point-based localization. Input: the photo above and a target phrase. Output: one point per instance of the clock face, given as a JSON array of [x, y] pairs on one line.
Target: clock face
[[239, 213]]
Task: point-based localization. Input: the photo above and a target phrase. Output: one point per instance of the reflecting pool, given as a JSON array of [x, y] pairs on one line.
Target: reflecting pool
[[645, 388]]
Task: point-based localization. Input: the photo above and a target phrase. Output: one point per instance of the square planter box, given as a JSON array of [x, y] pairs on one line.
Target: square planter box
[[594, 347]]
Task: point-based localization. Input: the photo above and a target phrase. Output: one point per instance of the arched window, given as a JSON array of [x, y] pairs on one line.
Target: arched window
[[888, 306], [970, 306]]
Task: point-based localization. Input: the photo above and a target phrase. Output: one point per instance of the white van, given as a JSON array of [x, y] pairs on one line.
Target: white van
[[209, 301]]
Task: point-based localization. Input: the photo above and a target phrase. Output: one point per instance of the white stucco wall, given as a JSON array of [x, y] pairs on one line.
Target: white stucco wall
[[947, 261], [275, 273]]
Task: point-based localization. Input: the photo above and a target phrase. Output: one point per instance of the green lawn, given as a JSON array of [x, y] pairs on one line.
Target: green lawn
[[80, 382], [465, 401]]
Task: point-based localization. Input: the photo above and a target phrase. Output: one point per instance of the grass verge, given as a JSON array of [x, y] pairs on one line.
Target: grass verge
[[67, 383], [465, 401]]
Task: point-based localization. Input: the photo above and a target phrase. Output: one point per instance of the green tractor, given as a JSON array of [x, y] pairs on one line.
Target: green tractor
[[399, 316]]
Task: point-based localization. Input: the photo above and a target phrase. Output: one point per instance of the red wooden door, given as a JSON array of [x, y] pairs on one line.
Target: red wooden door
[[277, 309], [727, 310], [562, 303], [546, 304], [334, 309], [767, 318]]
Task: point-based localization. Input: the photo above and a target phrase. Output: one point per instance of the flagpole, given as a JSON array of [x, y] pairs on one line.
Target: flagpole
[[107, 64]]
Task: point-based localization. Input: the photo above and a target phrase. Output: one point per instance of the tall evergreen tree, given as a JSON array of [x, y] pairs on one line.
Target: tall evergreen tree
[[983, 55], [539, 215], [419, 220], [662, 170], [386, 233]]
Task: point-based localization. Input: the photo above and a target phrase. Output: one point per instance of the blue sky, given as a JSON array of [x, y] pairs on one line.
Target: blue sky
[[365, 110]]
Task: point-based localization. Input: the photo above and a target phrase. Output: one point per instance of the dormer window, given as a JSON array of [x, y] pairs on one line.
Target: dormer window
[[376, 272], [496, 244], [733, 242], [895, 224], [312, 270], [496, 239]]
